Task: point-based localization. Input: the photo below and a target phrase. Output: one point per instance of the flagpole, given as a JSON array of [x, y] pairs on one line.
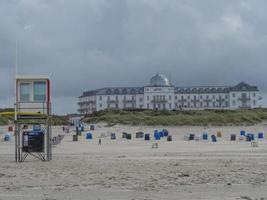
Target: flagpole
[[15, 81]]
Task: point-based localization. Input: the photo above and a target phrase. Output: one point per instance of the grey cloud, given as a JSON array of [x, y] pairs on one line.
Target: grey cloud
[[90, 44]]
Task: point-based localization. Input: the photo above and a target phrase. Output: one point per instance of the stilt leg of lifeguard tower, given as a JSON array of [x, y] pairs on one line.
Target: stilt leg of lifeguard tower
[[48, 143], [17, 143]]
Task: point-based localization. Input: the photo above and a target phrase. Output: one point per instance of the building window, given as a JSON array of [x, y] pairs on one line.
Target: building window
[[100, 98], [117, 106], [164, 106], [188, 97], [233, 103], [175, 97], [39, 90], [124, 97], [213, 97], [132, 97], [254, 94], [254, 102], [108, 98], [188, 104], [117, 98], [147, 97], [147, 106], [170, 97], [213, 104], [233, 95], [200, 96], [201, 104], [244, 95], [226, 96], [100, 105], [141, 99], [24, 92], [170, 106]]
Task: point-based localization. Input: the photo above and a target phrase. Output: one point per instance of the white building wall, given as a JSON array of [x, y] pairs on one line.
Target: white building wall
[[159, 98], [120, 101], [236, 99], [198, 101]]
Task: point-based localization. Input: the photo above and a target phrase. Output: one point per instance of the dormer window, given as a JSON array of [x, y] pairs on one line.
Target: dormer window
[[108, 91], [117, 91], [124, 91], [132, 91]]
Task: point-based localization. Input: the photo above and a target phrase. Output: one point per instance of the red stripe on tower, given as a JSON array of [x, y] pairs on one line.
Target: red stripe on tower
[[48, 90]]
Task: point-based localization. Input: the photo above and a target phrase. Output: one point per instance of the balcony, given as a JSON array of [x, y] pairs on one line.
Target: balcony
[[86, 102], [159, 101], [244, 98], [129, 101], [112, 101]]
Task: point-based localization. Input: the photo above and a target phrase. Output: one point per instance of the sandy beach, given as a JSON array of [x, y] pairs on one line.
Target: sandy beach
[[132, 169]]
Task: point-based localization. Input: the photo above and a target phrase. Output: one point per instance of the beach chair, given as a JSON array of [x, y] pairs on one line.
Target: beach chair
[[155, 145], [186, 136], [198, 138], [254, 144]]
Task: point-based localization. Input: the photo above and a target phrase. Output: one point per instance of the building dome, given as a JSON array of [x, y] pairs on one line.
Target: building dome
[[159, 80]]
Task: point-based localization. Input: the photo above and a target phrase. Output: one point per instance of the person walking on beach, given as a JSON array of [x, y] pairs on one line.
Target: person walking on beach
[[99, 141]]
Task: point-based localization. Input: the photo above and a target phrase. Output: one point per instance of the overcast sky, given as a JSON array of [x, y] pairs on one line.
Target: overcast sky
[[89, 44]]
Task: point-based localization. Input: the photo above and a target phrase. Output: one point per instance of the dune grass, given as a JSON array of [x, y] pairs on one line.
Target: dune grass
[[55, 120], [179, 118], [3, 121]]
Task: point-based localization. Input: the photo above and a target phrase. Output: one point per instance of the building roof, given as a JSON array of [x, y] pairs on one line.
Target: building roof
[[159, 80], [114, 91], [191, 89], [202, 89], [244, 87], [216, 89]]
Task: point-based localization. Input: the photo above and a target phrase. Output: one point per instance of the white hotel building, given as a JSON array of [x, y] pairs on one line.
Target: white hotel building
[[160, 94]]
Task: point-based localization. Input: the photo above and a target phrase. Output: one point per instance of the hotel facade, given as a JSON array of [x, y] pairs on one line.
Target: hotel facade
[[160, 94]]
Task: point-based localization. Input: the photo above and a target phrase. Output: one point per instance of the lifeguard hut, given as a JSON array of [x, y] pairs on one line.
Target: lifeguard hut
[[32, 118]]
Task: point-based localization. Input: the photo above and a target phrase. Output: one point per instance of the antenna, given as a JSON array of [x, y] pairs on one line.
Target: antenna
[[170, 78], [15, 87]]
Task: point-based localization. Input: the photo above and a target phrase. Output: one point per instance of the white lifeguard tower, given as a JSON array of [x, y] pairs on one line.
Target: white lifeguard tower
[[32, 109]]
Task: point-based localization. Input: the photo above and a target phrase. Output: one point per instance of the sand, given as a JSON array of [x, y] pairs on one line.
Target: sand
[[122, 169]]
